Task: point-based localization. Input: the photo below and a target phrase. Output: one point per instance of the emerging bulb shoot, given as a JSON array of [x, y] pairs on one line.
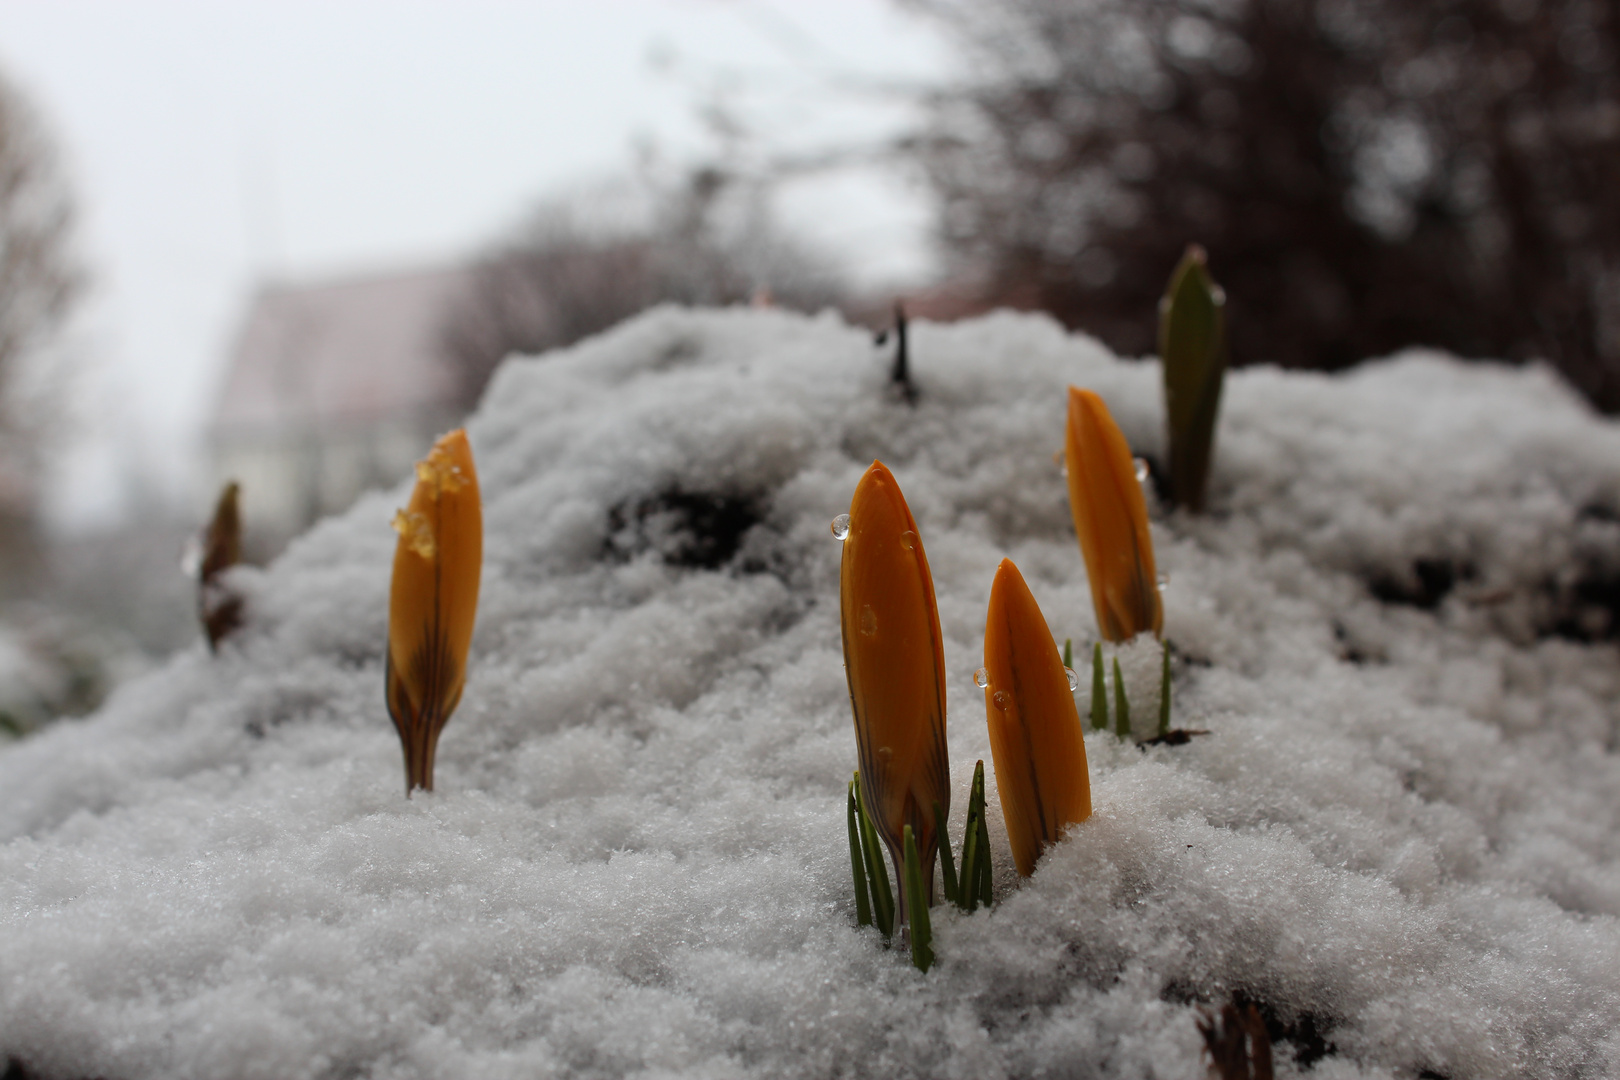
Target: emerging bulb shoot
[[1035, 735], [894, 659], [1110, 518], [433, 601]]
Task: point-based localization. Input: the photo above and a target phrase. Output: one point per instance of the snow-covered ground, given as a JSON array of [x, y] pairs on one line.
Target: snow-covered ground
[[1402, 836]]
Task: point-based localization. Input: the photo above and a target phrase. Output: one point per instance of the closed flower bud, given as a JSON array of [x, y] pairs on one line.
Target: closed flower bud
[[433, 601], [894, 659], [1035, 736], [1110, 517]]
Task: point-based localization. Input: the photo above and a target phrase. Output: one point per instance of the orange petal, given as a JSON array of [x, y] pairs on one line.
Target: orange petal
[[433, 600], [1035, 735], [1110, 517], [894, 658]]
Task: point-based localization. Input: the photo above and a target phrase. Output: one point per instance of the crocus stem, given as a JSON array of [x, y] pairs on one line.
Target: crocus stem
[[863, 906], [921, 932], [1122, 707], [1099, 690], [1164, 691], [947, 864]]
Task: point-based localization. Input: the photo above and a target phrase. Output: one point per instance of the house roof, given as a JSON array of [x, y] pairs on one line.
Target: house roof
[[346, 352]]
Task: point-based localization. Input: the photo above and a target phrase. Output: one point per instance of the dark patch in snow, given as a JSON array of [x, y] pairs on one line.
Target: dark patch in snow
[[678, 353], [1307, 1032], [19, 1070], [1424, 586], [1351, 652], [695, 529], [1173, 737], [280, 705], [1588, 610]]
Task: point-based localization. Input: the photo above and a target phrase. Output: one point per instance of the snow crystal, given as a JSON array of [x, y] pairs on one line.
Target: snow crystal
[[1401, 837]]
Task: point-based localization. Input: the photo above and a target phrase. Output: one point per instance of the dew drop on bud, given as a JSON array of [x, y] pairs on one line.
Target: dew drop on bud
[[1164, 582], [1141, 470], [1002, 699], [908, 540], [1218, 295], [840, 527], [981, 678], [1073, 677]]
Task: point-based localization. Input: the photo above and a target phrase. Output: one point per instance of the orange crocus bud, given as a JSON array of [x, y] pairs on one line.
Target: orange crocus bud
[[894, 659], [433, 601], [1035, 736], [1110, 517]]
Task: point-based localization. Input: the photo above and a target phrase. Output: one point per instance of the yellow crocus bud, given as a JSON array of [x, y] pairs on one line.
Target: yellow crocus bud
[[433, 601], [1110, 517], [894, 659], [1035, 736]]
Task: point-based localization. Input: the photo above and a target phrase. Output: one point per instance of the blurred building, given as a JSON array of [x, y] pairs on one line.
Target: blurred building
[[333, 389]]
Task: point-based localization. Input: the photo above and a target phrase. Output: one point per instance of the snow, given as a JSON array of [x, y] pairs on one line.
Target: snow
[[1403, 832]]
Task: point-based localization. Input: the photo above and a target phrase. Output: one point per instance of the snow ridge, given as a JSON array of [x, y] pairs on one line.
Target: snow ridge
[[1402, 837]]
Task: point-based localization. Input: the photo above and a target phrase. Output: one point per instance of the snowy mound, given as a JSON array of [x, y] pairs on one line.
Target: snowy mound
[[1401, 838]]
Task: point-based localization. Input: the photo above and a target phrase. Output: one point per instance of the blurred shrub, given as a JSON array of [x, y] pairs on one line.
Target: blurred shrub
[[40, 278], [582, 265], [1367, 174]]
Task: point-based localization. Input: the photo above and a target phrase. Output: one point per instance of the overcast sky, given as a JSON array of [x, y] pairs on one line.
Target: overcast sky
[[212, 145]]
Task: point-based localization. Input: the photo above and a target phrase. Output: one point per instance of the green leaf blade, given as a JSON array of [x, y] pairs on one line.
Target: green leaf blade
[[1099, 690], [1122, 707], [920, 930], [947, 866], [863, 905], [1192, 349]]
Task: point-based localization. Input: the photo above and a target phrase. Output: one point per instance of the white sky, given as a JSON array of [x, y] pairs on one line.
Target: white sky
[[214, 144]]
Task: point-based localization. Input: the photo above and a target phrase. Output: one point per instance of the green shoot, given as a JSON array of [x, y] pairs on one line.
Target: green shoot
[[1164, 692], [1122, 707], [947, 865], [974, 877], [984, 848], [1099, 690], [863, 906], [1192, 347], [921, 933], [877, 874]]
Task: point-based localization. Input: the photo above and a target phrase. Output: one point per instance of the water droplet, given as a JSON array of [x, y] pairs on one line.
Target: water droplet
[[1141, 470], [908, 540], [191, 557], [1218, 295], [1002, 699], [868, 620], [840, 527], [981, 678], [1164, 582], [1074, 678]]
